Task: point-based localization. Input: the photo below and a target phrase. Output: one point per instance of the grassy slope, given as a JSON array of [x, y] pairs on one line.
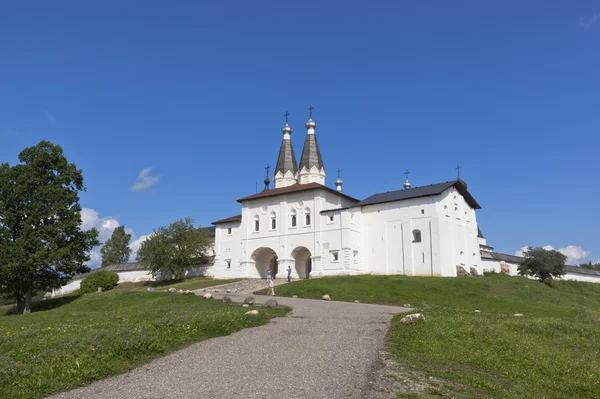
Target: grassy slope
[[97, 335], [189, 284], [553, 351]]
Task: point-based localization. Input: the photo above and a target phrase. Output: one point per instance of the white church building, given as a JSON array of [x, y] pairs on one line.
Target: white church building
[[321, 231]]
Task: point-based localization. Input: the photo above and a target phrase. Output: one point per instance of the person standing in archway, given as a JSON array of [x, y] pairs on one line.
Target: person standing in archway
[[289, 270], [269, 275]]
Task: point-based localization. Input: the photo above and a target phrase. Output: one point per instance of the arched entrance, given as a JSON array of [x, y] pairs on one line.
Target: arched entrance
[[265, 259], [303, 261]]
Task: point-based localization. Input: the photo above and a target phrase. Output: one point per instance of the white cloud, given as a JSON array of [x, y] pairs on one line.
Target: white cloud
[[90, 218], [583, 23], [145, 180], [575, 255], [50, 118]]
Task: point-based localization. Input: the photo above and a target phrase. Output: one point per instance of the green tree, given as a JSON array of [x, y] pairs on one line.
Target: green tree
[[590, 265], [116, 249], [543, 264], [41, 243], [172, 249], [100, 279]]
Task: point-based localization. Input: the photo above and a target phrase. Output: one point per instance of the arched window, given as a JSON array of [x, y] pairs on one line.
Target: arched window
[[273, 220], [256, 223], [416, 235], [307, 216], [308, 219], [293, 213]]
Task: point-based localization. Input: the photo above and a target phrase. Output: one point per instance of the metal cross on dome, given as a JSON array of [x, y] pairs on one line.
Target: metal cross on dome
[[287, 114], [267, 168], [458, 168], [310, 110], [406, 173]]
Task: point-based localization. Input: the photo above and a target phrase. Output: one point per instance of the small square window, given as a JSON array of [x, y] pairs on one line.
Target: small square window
[[228, 264], [331, 218], [335, 256], [422, 211], [229, 230]]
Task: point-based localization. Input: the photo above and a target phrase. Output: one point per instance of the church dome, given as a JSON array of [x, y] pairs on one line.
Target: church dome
[[286, 129], [310, 124]]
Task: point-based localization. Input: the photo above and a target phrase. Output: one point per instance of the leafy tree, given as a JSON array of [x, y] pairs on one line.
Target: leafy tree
[[172, 249], [590, 265], [543, 264], [101, 279], [116, 249], [41, 243]]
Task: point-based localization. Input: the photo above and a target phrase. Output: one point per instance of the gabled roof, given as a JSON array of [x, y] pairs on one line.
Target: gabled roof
[[294, 188], [418, 192], [236, 218], [287, 159], [311, 155], [501, 256]]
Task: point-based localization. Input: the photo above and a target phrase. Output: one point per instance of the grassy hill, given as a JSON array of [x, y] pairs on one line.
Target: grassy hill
[[87, 338], [553, 351]]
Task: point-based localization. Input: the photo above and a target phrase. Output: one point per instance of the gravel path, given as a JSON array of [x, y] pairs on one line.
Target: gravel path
[[320, 350]]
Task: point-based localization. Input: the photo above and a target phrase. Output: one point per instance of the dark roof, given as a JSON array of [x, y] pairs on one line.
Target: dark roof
[[417, 192], [294, 188], [311, 155], [582, 270], [121, 267], [500, 256], [287, 159], [236, 218], [479, 233]]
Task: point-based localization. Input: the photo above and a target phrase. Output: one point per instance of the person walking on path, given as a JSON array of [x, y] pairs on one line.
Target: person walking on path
[[269, 275], [289, 270], [271, 288]]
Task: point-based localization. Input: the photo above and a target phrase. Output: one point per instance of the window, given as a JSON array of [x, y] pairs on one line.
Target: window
[[335, 256], [229, 230], [293, 220], [256, 223], [228, 264], [331, 218], [273, 224], [308, 219], [416, 235], [422, 211]]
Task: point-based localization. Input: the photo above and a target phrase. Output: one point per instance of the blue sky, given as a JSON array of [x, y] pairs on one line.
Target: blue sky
[[196, 92]]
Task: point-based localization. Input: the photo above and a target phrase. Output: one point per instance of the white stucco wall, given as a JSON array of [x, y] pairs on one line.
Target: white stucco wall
[[581, 277]]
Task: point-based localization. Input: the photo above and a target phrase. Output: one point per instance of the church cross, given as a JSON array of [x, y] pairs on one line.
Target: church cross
[[406, 173], [310, 109], [339, 170], [458, 168], [286, 116], [267, 168]]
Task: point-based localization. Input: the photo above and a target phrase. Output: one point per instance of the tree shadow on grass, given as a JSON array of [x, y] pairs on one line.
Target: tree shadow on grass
[[48, 304]]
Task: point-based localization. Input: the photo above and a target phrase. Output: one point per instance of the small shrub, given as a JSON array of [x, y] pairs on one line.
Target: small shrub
[[103, 279]]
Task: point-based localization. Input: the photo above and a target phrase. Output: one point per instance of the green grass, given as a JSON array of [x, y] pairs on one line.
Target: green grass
[[101, 334], [188, 284], [553, 351]]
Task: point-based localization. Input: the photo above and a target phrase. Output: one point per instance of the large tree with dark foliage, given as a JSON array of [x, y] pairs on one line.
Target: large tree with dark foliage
[[116, 249], [41, 242], [172, 249], [543, 264]]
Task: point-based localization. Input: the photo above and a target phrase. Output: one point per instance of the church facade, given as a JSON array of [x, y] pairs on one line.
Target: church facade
[[321, 231]]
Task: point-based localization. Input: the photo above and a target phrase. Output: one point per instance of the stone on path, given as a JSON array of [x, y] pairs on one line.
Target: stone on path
[[172, 289], [252, 312], [478, 311], [356, 301], [208, 295], [228, 291], [326, 297], [407, 305], [294, 296], [249, 300], [413, 319], [271, 303], [226, 299], [245, 305], [518, 315]]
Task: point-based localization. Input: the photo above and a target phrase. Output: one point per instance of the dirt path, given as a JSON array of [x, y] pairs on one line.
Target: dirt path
[[320, 350]]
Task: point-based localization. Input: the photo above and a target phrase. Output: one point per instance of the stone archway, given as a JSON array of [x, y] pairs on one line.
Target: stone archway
[[303, 261], [265, 259]]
